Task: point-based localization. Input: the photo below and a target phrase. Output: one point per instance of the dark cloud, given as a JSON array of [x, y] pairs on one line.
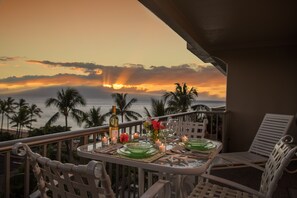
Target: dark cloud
[[135, 74], [6, 58], [89, 68], [14, 79]]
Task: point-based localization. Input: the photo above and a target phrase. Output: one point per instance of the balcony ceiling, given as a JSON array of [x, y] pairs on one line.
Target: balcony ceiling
[[209, 26]]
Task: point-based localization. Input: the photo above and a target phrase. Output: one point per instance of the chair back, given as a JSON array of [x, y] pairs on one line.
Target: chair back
[[278, 160], [67, 180], [192, 129], [272, 128]]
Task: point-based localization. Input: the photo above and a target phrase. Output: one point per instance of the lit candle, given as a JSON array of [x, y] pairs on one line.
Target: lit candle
[[184, 138], [136, 135], [104, 140], [114, 140], [158, 142], [162, 148]]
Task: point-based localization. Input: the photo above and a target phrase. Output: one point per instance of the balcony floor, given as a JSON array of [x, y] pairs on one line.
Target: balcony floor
[[287, 186]]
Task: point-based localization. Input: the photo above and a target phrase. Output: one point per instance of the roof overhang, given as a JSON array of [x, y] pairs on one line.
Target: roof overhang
[[212, 26]]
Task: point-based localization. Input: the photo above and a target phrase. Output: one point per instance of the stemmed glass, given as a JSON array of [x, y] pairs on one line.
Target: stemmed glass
[[172, 126], [147, 134], [169, 129]]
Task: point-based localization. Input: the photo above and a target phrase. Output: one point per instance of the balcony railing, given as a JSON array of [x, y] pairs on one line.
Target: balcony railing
[[15, 171]]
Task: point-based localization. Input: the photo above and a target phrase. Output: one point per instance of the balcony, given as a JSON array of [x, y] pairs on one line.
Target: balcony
[[17, 180], [16, 177]]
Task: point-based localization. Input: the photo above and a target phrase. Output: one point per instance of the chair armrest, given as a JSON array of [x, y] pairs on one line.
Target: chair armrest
[[160, 187], [292, 171], [231, 159], [233, 184]]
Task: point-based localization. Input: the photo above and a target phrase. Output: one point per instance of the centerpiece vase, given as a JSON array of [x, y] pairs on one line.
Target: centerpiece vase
[[154, 135]]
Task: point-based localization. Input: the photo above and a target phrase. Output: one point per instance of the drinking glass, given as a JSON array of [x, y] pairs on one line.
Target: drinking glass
[[172, 126]]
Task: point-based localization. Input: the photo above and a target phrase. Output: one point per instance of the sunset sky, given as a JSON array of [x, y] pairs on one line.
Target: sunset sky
[[116, 45]]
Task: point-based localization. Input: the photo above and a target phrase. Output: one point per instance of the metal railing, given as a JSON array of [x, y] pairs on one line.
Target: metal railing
[[53, 146]]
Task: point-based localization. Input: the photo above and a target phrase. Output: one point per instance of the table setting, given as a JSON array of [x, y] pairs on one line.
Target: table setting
[[173, 149], [156, 150], [160, 140]]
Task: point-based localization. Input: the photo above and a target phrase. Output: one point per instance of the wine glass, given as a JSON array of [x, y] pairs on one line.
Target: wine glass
[[164, 133], [146, 134], [172, 125]]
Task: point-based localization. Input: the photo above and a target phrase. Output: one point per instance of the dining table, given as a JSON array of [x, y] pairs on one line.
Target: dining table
[[178, 159]]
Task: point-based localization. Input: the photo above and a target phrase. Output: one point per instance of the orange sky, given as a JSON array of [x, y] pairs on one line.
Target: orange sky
[[96, 43]]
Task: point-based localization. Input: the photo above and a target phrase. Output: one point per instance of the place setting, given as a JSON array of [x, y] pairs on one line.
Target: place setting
[[137, 150], [193, 147], [141, 151], [199, 145]]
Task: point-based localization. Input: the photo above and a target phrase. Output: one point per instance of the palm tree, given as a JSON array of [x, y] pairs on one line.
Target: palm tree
[[66, 102], [21, 119], [3, 109], [157, 108], [19, 116], [22, 103], [34, 111], [123, 106], [10, 109], [94, 118], [180, 100]]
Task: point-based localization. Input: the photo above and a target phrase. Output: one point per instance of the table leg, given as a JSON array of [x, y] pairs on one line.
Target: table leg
[[140, 181], [178, 185]]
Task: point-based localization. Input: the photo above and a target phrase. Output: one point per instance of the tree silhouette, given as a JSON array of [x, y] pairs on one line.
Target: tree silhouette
[[66, 102], [11, 106], [180, 100], [94, 117], [123, 107], [34, 111], [20, 120], [157, 108]]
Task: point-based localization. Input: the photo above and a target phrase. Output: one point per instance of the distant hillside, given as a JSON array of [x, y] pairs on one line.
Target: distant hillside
[[86, 92]]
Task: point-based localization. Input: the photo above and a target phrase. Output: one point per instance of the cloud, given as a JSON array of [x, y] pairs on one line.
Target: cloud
[[89, 68], [145, 79], [6, 58], [137, 73]]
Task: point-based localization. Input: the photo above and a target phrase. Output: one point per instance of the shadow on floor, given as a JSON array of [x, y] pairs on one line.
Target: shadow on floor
[[286, 188]]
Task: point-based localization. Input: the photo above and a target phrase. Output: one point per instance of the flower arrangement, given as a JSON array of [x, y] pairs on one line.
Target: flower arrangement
[[124, 137], [153, 127]]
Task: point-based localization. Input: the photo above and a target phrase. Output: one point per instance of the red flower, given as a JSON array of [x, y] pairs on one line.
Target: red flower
[[124, 137], [157, 125]]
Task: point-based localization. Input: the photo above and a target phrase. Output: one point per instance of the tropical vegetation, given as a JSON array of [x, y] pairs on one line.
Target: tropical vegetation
[[157, 108], [124, 106], [66, 102], [94, 117], [181, 99], [21, 115]]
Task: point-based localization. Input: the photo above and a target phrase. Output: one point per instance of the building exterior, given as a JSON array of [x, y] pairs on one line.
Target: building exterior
[[254, 43]]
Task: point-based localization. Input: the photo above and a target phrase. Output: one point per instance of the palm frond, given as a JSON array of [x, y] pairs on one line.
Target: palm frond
[[147, 113], [53, 119]]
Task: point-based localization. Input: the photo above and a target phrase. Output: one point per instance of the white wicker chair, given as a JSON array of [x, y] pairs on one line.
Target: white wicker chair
[[274, 167], [69, 180], [272, 128], [191, 129]]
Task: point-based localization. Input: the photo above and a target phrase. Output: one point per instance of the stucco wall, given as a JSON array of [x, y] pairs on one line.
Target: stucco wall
[[259, 81]]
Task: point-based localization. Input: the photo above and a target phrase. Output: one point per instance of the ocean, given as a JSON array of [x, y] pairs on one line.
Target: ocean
[[105, 105]]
